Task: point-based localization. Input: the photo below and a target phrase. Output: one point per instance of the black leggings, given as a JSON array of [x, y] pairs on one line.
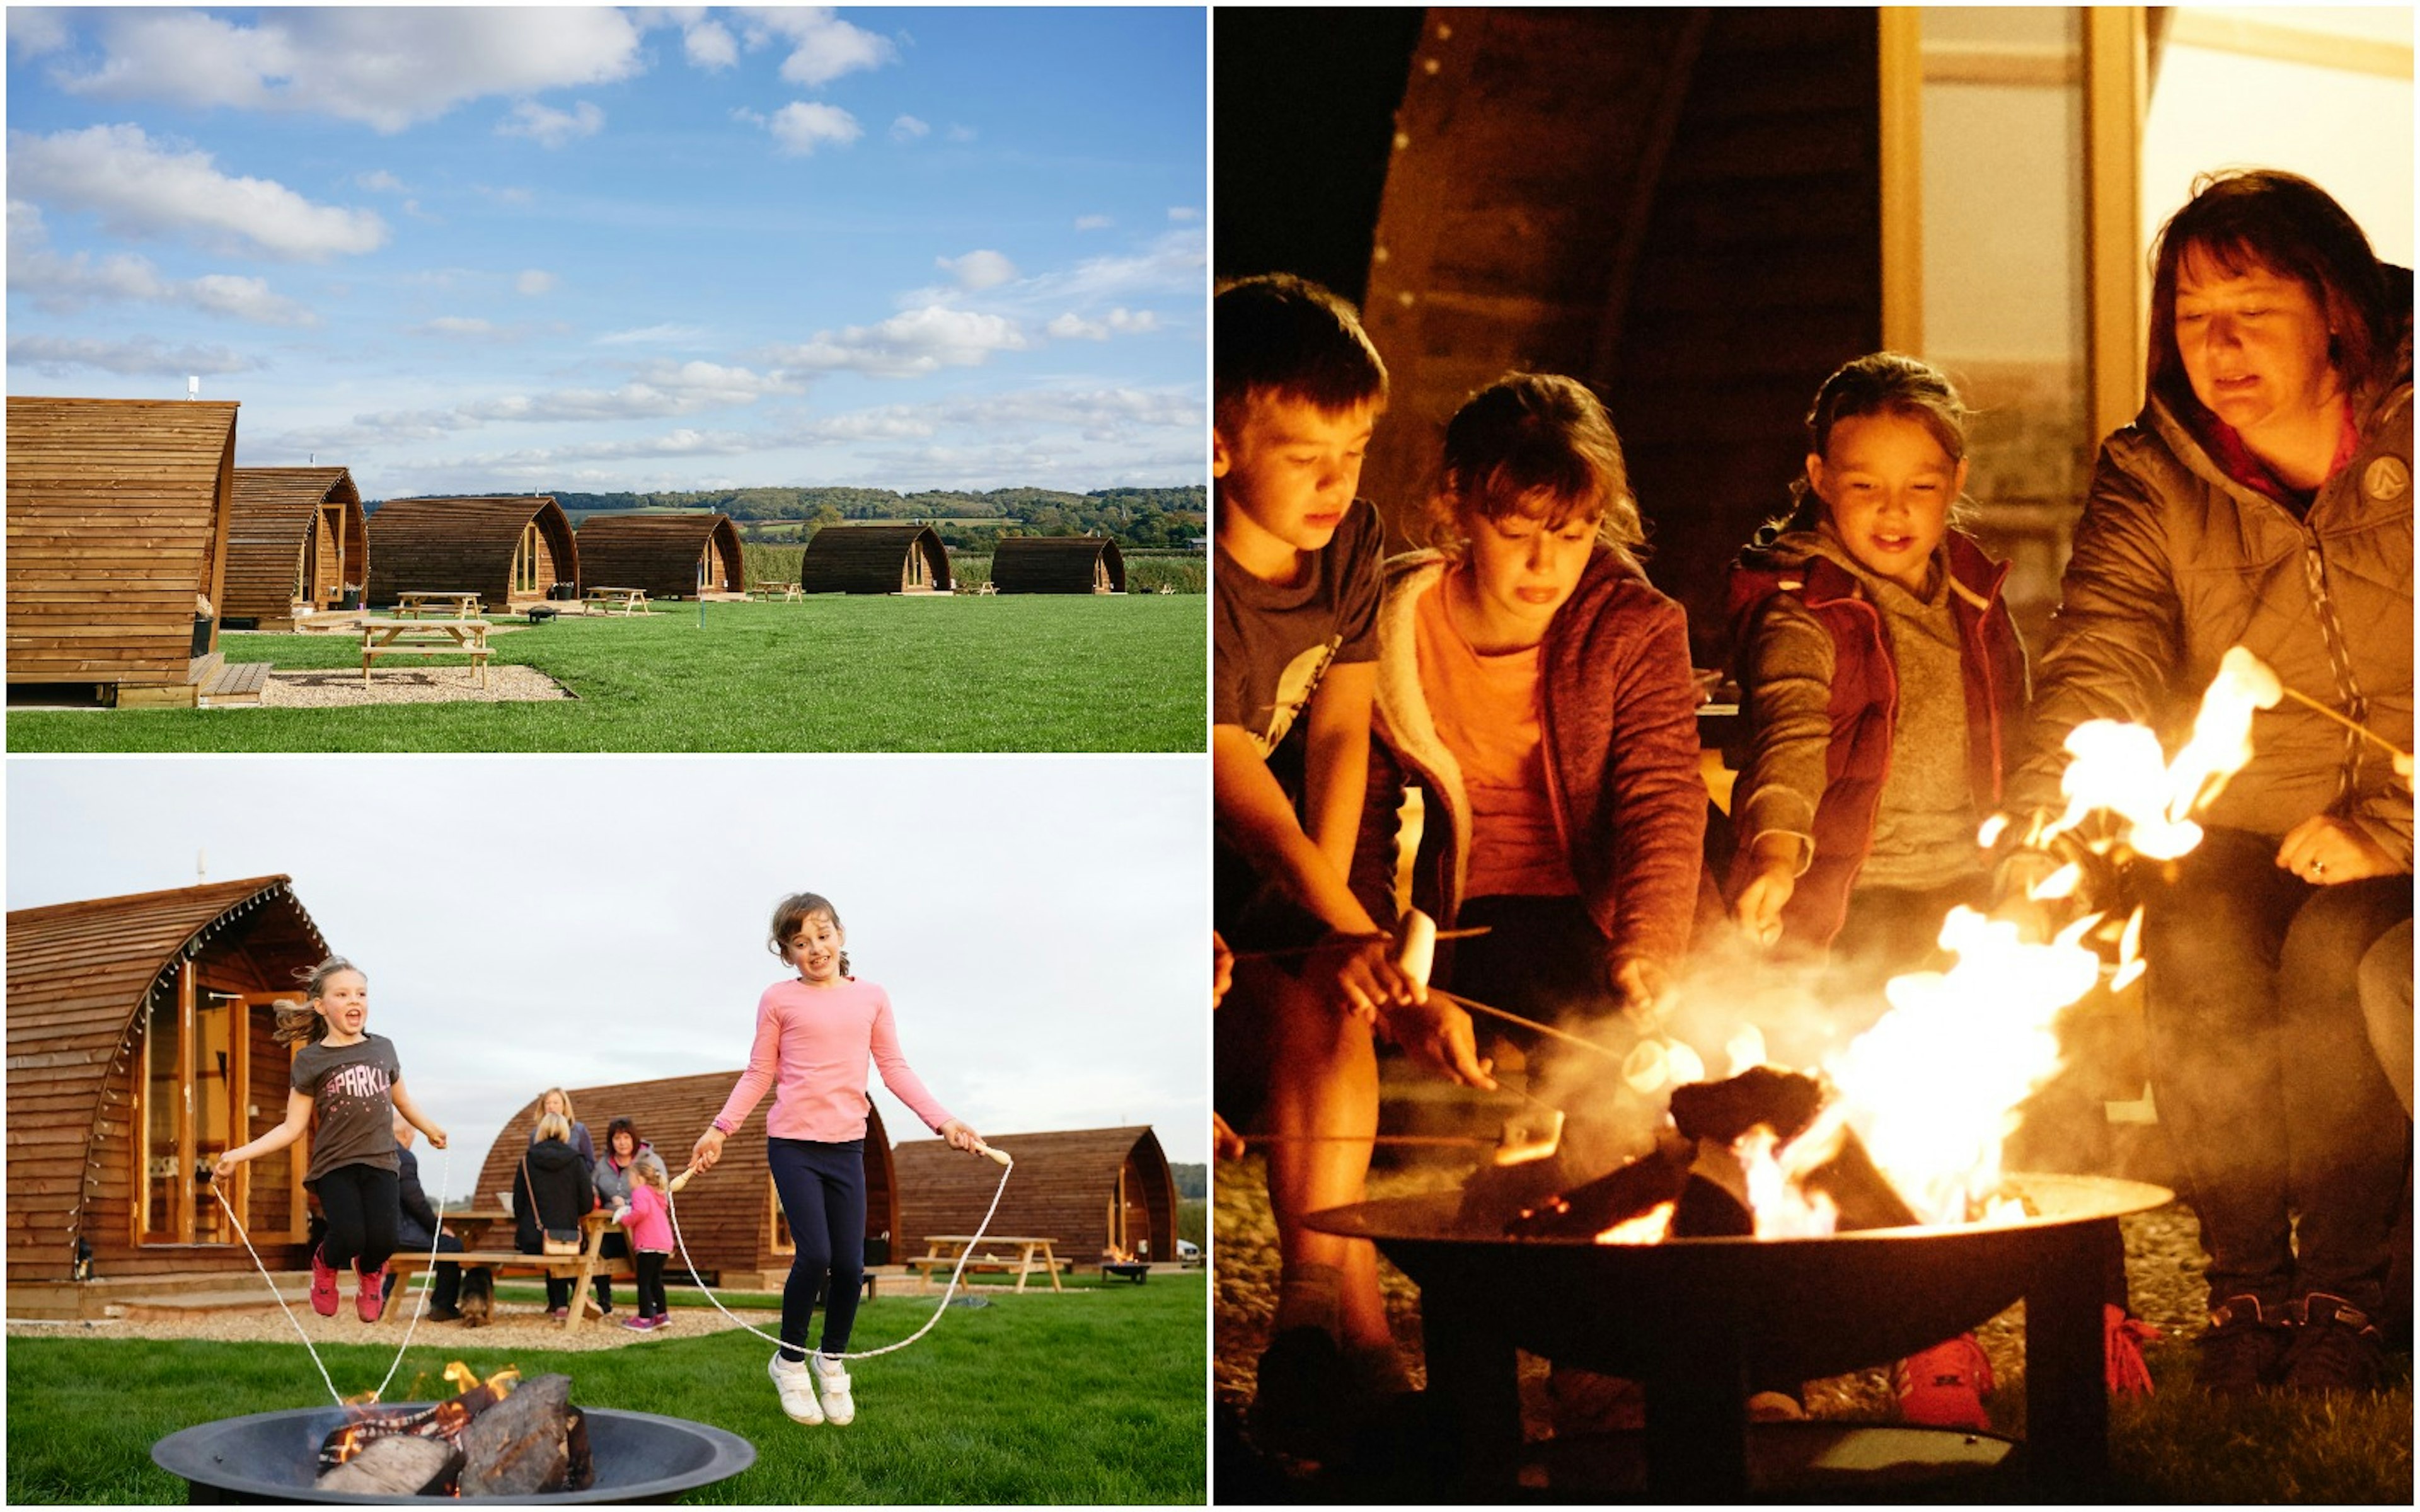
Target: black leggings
[[823, 1197], [651, 1283], [361, 1206]]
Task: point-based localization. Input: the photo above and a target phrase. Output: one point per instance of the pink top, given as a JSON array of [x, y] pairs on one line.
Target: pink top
[[811, 1048], [649, 1228]]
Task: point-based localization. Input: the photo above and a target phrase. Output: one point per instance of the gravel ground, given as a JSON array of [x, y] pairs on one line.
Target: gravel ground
[[342, 689], [516, 1326], [2164, 1270]]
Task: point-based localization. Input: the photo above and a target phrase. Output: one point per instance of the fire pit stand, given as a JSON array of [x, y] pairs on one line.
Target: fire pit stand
[[1691, 1318]]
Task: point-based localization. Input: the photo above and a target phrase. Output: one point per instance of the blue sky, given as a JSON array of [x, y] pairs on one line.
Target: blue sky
[[578, 250]]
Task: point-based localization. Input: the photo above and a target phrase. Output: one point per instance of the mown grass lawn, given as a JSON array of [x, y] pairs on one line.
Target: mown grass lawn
[[1012, 673], [1093, 1396]]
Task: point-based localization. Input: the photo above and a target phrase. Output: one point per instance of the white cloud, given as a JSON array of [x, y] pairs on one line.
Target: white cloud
[[37, 30], [380, 180], [1072, 326], [552, 127], [1132, 323], [512, 195], [980, 268], [823, 46], [246, 299], [387, 66], [458, 325], [909, 345], [1092, 222], [667, 333], [709, 45], [533, 282], [1183, 214], [142, 356], [1175, 263], [799, 127], [142, 189], [908, 128]]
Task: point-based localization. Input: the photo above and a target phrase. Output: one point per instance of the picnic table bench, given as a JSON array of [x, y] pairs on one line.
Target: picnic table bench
[[631, 600], [770, 590], [580, 1269], [415, 606], [1033, 1257], [425, 638]]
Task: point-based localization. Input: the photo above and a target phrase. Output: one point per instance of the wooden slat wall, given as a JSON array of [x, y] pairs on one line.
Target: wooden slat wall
[[276, 511], [79, 974], [1681, 207], [870, 558], [1056, 565], [658, 552], [1061, 1189], [116, 519], [464, 546], [726, 1214]]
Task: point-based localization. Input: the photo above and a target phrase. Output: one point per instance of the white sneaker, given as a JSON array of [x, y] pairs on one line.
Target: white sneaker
[[797, 1387], [831, 1383]]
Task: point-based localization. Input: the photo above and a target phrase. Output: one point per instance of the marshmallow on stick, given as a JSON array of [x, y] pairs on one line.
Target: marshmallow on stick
[[1416, 946]]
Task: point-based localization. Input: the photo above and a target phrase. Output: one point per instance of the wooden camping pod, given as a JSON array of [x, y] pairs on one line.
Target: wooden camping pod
[[125, 1065], [117, 522], [874, 559], [508, 550], [295, 541], [1058, 564], [729, 1217], [671, 556], [1081, 1188]]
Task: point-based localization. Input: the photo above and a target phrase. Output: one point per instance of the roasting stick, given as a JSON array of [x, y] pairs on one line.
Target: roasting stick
[[2357, 728], [1335, 940], [1007, 1166]]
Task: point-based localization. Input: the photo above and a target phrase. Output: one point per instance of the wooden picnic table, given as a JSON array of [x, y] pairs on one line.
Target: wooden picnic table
[[416, 605], [941, 1251], [771, 589], [580, 1269], [632, 600], [425, 638]]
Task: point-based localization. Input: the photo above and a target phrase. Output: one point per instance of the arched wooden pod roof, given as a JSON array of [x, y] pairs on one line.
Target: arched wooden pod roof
[[118, 519], [1057, 564], [464, 546], [871, 558], [1061, 1190], [277, 515], [658, 552], [79, 976], [726, 1215]]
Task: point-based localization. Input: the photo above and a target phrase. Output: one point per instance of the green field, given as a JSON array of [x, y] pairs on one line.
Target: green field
[[959, 673], [1097, 1395]]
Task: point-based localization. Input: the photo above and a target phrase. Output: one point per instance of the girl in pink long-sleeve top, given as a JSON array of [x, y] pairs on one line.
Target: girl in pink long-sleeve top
[[814, 1034], [651, 1244]]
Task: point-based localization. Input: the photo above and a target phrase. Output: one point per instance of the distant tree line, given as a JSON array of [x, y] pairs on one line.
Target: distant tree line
[[1136, 517]]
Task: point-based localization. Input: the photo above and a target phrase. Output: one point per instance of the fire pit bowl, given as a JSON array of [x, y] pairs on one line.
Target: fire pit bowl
[[1692, 1319], [271, 1457]]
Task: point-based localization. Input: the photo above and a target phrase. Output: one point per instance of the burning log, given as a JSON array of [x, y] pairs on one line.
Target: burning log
[[401, 1464], [534, 1441]]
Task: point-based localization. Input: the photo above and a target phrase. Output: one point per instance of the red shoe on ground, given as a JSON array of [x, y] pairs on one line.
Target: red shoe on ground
[[1942, 1387], [370, 1301], [323, 1286]]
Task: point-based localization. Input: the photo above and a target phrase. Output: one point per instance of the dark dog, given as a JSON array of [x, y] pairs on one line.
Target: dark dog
[[478, 1303]]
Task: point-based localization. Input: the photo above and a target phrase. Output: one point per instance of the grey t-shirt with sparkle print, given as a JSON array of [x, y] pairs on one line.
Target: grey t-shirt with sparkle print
[[351, 1089]]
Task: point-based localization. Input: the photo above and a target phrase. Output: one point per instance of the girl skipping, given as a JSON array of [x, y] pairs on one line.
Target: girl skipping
[[351, 1079], [814, 1036]]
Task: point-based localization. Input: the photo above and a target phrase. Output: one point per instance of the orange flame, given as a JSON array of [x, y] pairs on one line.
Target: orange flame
[[1649, 1227]]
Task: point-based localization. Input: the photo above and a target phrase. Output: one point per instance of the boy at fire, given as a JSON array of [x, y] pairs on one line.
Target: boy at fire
[[1298, 390]]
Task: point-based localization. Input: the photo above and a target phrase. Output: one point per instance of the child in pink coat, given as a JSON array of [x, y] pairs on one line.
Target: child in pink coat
[[651, 1244]]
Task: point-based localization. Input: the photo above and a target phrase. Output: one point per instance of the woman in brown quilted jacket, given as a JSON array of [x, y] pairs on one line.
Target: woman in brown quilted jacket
[[2263, 497]]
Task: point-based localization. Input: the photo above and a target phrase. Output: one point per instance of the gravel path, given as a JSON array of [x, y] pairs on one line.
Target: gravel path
[[339, 687]]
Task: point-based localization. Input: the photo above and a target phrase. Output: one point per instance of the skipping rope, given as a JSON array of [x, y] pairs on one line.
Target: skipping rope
[[1007, 1166]]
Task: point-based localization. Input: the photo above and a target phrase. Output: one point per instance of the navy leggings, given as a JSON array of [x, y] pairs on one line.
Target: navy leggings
[[823, 1197], [361, 1207]]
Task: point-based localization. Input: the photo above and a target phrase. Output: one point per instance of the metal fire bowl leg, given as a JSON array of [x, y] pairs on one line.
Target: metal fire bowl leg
[[1689, 1318], [272, 1457]]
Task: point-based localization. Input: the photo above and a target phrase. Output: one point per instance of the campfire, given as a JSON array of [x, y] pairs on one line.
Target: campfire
[[500, 1437]]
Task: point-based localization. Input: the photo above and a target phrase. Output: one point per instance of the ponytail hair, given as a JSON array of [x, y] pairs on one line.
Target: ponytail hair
[[795, 910], [300, 1022], [1878, 383]]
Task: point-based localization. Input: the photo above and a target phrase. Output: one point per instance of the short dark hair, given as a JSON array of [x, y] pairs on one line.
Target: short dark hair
[[622, 1126], [1280, 336], [1529, 434], [2264, 217]]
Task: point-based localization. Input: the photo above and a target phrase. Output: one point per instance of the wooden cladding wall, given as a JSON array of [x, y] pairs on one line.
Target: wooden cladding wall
[[1058, 564], [874, 559], [1062, 1189], [660, 553], [1679, 207], [80, 977], [281, 531], [468, 546], [117, 521], [726, 1216]]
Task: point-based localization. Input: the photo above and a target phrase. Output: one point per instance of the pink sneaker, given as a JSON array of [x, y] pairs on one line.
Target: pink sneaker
[[370, 1300], [1942, 1387], [663, 1319], [323, 1286], [639, 1325]]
